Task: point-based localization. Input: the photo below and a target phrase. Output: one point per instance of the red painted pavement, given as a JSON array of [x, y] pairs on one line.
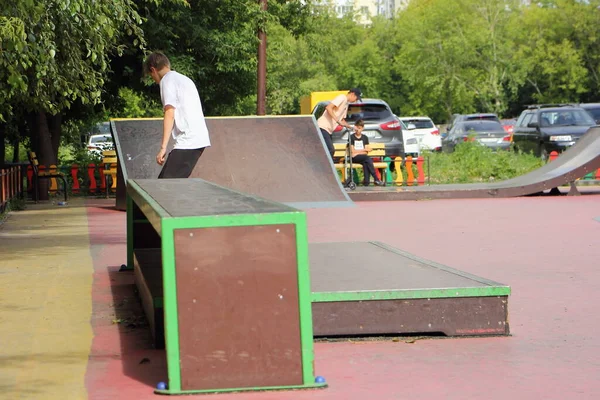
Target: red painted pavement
[[547, 249]]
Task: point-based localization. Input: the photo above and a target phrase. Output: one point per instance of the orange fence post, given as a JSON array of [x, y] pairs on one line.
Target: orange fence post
[[420, 173], [29, 178], [74, 171], [598, 174], [398, 167], [92, 175], [2, 190], [410, 176]]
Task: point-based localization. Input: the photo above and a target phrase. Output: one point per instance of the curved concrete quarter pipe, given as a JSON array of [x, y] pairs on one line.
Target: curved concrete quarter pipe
[[580, 159], [279, 158]]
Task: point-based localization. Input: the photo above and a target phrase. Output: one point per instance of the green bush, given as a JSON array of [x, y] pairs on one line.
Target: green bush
[[475, 163]]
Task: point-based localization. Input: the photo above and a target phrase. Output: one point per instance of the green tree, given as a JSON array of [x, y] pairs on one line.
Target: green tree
[[56, 53], [456, 56], [551, 52]]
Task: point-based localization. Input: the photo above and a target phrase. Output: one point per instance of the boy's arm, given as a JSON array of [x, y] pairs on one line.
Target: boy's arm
[[168, 122]]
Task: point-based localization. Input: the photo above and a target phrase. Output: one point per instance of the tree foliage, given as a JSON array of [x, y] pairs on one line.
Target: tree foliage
[[70, 58]]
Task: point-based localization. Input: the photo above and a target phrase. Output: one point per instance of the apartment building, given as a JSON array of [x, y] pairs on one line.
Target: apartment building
[[366, 9]]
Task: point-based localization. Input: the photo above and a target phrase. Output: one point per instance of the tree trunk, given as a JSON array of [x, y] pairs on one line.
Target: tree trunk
[[54, 125], [46, 155], [45, 151], [16, 149]]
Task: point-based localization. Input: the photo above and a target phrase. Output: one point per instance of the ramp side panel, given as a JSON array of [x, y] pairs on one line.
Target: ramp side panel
[[137, 142], [278, 158]]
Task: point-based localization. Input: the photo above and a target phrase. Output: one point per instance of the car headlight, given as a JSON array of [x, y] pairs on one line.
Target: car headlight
[[561, 138]]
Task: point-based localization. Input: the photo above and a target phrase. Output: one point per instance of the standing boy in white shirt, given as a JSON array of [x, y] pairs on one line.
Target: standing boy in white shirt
[[335, 114], [183, 118]]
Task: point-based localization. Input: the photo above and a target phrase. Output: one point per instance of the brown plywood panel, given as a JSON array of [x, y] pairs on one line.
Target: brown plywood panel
[[148, 279], [280, 158], [237, 299], [462, 316]]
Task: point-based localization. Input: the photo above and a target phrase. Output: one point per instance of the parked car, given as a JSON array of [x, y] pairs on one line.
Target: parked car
[[486, 132], [411, 144], [99, 143], [381, 125], [508, 124], [593, 109], [542, 129], [427, 134], [471, 117]]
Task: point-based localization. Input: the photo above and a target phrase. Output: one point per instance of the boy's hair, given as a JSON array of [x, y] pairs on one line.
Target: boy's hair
[[156, 60], [360, 122]]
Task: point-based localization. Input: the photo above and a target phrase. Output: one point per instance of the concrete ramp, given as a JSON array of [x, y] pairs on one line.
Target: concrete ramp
[[577, 161], [280, 158]]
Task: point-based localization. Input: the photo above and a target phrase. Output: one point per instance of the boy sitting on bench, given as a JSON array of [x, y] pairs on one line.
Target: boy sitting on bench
[[360, 153]]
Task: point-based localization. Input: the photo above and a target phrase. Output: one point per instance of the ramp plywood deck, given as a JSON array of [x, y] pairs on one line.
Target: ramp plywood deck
[[279, 158]]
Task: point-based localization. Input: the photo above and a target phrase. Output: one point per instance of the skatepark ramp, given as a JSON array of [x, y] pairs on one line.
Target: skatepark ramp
[[280, 158], [577, 161]]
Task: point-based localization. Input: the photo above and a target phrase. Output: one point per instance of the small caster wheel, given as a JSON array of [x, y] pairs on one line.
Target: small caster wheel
[[352, 185]]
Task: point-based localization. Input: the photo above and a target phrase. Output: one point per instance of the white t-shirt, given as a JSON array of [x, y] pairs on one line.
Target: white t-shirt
[[328, 123], [189, 130]]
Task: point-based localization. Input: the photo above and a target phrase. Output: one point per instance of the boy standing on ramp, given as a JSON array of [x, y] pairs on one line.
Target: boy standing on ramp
[[335, 114], [183, 118]]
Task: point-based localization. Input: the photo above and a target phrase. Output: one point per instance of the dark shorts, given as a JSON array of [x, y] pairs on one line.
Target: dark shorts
[[180, 163]]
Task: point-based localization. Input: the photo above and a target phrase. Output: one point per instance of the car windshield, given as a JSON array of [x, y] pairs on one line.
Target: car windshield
[[483, 126], [368, 112], [594, 112], [101, 139], [565, 118], [419, 123]]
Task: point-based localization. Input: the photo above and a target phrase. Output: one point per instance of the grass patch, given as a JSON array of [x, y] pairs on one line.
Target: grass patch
[[474, 163]]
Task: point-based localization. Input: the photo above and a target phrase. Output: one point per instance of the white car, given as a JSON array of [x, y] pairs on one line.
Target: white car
[[99, 143], [411, 144], [427, 134]]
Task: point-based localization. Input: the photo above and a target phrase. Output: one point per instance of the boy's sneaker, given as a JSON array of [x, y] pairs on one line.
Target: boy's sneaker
[[379, 183]]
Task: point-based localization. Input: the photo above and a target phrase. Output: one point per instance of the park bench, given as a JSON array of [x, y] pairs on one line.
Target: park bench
[[377, 151], [109, 169], [37, 175], [226, 276]]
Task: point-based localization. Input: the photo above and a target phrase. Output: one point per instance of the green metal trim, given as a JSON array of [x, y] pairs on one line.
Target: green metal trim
[[170, 306], [129, 232], [212, 221], [306, 386], [478, 291], [153, 211], [304, 299]]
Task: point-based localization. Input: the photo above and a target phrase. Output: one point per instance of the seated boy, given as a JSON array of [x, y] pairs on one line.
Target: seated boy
[[360, 151]]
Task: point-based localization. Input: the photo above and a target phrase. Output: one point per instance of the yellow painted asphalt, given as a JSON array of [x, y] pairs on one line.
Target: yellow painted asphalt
[[45, 302]]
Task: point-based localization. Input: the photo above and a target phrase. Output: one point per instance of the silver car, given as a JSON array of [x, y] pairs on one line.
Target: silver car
[[486, 132]]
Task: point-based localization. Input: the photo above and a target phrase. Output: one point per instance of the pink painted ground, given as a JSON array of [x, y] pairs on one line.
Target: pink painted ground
[[547, 249]]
